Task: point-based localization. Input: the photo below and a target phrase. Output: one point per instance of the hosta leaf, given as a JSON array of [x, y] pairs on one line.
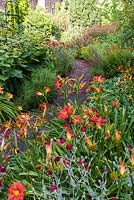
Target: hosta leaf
[[4, 77], [14, 73]]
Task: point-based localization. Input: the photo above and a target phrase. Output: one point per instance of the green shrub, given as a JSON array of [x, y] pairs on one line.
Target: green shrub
[[40, 78], [88, 53], [111, 59], [40, 23], [18, 58]]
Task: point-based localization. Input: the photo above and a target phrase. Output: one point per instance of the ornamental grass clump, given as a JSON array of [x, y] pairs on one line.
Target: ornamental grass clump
[[8, 110], [84, 152]]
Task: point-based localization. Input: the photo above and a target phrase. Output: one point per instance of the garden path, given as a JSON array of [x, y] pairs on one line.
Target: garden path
[[80, 67]]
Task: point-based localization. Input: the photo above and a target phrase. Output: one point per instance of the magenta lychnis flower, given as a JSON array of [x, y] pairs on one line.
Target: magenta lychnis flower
[[53, 188], [69, 146]]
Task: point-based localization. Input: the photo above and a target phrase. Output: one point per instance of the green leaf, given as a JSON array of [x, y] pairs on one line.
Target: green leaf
[[26, 54], [15, 73], [30, 173], [4, 77]]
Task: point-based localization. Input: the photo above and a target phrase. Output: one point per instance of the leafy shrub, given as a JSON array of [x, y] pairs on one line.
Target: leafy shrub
[[111, 59], [88, 53], [40, 78], [40, 23], [19, 58]]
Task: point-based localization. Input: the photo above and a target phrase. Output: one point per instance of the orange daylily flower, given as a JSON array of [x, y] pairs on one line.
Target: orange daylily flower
[[99, 121], [90, 144], [115, 104], [39, 167], [47, 89], [65, 112], [99, 79], [7, 158], [118, 136], [69, 133], [44, 106], [90, 112], [1, 90], [95, 89], [23, 132], [77, 120], [59, 83], [108, 135], [132, 157], [119, 67], [38, 93], [123, 168]]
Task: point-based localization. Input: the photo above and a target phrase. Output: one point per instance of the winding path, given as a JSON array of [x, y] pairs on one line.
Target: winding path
[[80, 67]]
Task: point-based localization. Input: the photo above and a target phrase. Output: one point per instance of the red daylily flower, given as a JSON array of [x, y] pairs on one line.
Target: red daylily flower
[[99, 121], [99, 79], [16, 191], [59, 83], [65, 112], [115, 104], [77, 120], [48, 146], [119, 67]]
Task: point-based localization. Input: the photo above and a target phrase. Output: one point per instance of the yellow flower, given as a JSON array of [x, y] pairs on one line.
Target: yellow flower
[[9, 95], [19, 108]]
